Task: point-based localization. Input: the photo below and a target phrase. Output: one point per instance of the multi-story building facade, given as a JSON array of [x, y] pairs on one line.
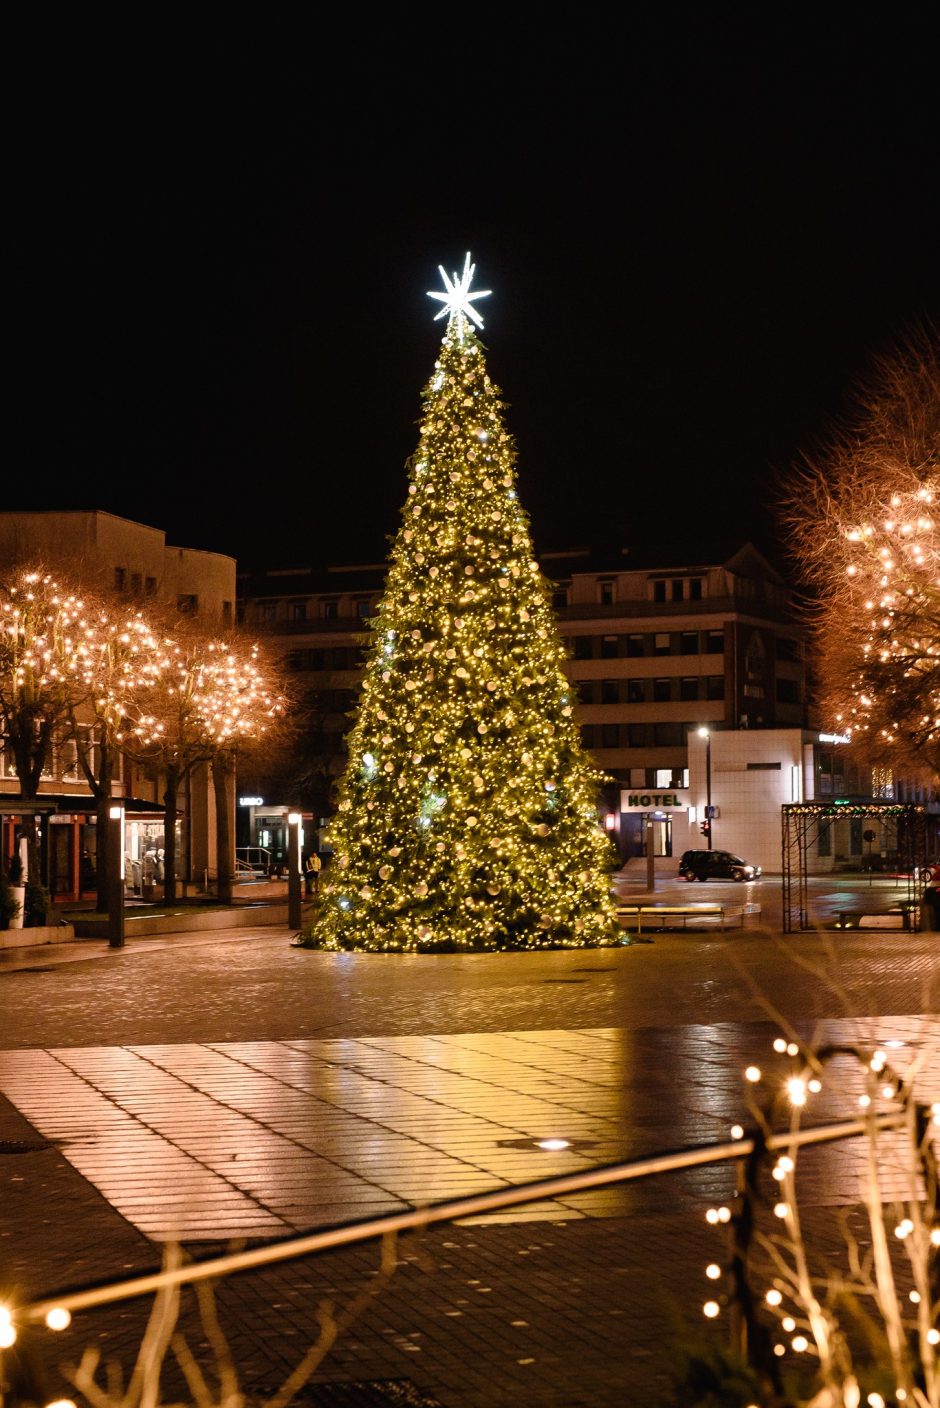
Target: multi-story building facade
[[134, 563], [657, 649], [120, 557]]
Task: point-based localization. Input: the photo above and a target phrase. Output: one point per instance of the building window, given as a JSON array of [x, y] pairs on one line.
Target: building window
[[659, 589], [787, 649], [150, 586], [610, 692], [661, 643], [582, 647], [606, 590], [330, 609], [695, 589], [788, 691], [68, 760], [268, 612], [688, 643], [882, 784], [635, 645], [764, 767], [293, 660], [714, 642], [825, 838], [667, 735], [120, 579], [676, 585], [298, 611], [636, 691], [187, 603], [715, 687], [688, 687], [662, 691], [608, 647], [588, 732], [227, 612], [640, 735], [610, 735], [363, 607]]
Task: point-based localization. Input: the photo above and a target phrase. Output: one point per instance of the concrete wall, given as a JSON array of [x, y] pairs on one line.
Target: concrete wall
[[749, 798]]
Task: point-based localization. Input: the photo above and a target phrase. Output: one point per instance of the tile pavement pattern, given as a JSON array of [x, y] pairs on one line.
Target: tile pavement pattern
[[560, 1306], [563, 1306], [257, 1139]]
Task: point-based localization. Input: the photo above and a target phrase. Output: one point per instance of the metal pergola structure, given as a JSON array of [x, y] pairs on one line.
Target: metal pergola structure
[[906, 827]]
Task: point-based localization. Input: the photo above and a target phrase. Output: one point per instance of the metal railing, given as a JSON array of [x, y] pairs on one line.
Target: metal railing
[[454, 1210], [255, 859]]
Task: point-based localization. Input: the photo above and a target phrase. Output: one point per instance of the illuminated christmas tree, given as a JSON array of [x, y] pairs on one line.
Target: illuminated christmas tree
[[467, 815]]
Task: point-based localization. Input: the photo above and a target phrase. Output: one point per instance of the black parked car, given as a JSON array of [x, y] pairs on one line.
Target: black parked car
[[715, 865]]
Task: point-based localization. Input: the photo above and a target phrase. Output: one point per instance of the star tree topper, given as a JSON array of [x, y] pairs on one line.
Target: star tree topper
[[458, 300]]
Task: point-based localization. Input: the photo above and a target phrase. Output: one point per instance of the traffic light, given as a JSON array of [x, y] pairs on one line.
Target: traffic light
[[704, 827]]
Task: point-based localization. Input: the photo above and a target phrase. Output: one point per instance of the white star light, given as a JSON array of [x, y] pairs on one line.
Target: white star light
[[458, 300]]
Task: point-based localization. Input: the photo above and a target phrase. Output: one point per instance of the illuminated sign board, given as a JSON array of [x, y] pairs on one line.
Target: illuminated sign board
[[665, 800], [251, 801]]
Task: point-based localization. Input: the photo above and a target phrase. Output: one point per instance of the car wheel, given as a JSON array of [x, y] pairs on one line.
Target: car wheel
[[688, 879], [738, 875], [703, 878]]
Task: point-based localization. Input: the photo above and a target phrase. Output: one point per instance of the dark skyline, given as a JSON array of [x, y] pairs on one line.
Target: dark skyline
[[697, 233]]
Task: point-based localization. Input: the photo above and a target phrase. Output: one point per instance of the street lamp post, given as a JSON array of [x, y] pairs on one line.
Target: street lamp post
[[294, 846], [115, 844], [704, 733]]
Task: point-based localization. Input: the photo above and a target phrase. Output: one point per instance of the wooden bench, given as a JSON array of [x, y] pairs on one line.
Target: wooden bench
[[669, 915], [902, 916]]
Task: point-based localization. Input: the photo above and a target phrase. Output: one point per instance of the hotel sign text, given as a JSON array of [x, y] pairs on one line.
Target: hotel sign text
[[653, 801]]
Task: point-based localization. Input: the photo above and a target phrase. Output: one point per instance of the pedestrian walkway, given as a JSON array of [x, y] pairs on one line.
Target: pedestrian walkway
[[203, 1142]]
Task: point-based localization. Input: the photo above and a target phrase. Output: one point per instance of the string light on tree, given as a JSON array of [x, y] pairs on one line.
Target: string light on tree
[[467, 816]]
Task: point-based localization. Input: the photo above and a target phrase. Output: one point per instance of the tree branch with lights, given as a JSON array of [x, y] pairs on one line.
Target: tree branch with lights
[[863, 518]]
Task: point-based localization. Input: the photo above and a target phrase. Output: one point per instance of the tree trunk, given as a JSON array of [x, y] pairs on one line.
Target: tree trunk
[[31, 740], [170, 797], [223, 768]]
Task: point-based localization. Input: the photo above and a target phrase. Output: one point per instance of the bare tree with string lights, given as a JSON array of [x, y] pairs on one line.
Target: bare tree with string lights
[[862, 514]]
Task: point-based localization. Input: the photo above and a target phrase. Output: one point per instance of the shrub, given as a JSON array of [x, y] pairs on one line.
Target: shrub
[[9, 904]]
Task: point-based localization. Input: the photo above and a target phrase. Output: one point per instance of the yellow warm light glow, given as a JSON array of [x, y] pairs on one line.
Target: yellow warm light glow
[[467, 816], [58, 1318]]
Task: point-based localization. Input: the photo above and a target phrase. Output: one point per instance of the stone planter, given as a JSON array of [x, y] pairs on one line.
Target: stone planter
[[19, 895]]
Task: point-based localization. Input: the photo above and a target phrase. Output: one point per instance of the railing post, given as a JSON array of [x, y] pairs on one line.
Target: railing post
[[738, 1236]]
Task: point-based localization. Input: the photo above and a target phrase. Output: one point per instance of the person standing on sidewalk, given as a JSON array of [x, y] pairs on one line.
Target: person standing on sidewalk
[[311, 874]]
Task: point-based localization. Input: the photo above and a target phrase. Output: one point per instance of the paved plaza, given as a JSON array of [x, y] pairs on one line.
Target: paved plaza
[[226, 1087]]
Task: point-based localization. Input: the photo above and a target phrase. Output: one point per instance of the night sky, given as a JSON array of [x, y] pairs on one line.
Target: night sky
[[697, 231]]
